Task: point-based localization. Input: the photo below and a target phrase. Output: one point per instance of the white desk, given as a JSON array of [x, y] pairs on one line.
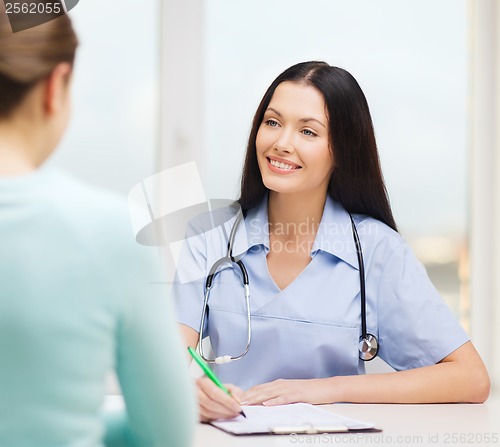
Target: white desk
[[403, 425]]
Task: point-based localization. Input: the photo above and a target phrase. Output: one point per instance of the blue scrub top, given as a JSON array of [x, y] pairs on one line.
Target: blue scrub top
[[311, 329]]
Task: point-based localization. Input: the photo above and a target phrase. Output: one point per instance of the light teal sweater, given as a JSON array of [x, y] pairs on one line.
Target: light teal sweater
[[78, 297]]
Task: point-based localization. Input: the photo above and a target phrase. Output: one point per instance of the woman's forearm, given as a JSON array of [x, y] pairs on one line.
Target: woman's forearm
[[461, 377], [437, 384]]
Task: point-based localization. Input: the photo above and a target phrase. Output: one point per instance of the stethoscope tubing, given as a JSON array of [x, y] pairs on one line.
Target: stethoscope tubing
[[368, 345], [228, 259]]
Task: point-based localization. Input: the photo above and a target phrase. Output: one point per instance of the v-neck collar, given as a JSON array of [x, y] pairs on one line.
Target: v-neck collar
[[334, 234]]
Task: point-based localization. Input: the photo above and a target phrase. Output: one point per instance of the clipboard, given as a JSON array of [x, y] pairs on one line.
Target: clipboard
[[290, 419]]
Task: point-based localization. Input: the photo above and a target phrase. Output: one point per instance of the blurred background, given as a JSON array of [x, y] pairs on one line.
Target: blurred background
[[165, 82]]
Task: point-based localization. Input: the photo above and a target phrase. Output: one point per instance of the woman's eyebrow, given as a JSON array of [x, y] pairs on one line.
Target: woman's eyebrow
[[304, 120], [270, 109]]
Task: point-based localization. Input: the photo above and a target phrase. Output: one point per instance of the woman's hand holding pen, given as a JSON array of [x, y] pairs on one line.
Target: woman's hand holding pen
[[215, 403]]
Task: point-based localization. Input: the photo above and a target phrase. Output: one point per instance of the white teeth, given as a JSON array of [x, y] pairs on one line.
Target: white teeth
[[281, 165]]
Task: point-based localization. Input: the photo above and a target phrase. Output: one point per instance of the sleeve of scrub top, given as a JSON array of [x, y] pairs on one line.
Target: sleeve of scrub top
[[416, 327], [151, 368], [189, 285]]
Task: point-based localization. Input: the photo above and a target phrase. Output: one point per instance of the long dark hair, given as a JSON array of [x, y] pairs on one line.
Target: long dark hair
[[356, 181]]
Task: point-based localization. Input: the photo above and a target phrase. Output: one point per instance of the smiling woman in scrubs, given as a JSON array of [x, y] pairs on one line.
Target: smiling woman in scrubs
[[311, 160]]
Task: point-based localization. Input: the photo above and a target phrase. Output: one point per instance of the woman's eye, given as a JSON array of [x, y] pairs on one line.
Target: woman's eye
[[272, 123], [308, 133]]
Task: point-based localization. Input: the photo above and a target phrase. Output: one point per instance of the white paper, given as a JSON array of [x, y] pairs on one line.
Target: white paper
[[261, 419]]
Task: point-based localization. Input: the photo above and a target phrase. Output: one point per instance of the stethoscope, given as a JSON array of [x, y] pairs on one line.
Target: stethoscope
[[368, 343]]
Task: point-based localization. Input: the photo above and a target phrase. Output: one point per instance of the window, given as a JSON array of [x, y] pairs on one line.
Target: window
[[414, 75], [112, 139]]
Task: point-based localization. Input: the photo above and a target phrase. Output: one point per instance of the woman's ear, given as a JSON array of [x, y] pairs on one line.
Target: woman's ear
[[57, 88]]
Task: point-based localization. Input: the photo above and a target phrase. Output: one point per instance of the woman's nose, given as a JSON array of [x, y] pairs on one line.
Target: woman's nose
[[284, 143]]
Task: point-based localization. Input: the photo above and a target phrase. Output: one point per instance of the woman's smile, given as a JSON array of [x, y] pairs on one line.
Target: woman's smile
[[282, 166]]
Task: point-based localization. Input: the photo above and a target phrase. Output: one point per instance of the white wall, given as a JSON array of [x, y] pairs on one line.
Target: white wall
[[182, 132], [484, 217]]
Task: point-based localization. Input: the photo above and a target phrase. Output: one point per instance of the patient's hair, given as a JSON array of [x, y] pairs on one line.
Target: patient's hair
[[27, 57]]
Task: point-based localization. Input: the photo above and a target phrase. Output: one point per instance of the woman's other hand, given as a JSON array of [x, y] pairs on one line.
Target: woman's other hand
[[280, 392]]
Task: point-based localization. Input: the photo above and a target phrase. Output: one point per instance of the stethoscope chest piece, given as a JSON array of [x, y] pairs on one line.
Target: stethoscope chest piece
[[368, 348]]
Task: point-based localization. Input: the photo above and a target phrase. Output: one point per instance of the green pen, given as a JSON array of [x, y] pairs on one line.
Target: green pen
[[210, 374]]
